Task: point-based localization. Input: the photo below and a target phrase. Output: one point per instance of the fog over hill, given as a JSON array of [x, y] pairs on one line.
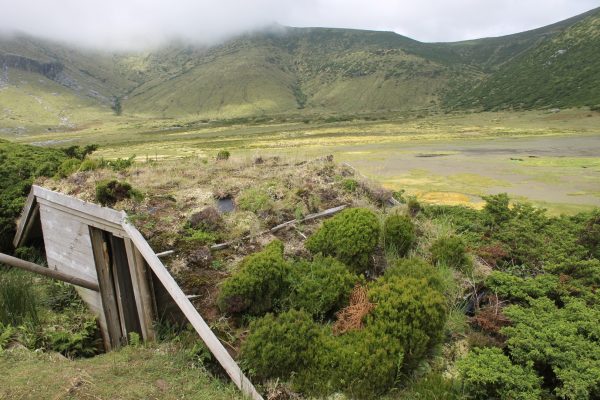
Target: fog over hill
[[284, 70]]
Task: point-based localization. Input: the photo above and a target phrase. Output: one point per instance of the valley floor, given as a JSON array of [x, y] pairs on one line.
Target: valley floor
[[549, 158]]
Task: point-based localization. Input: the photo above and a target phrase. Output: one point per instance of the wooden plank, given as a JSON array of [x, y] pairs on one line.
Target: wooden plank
[[107, 288], [143, 296], [25, 219], [124, 287], [209, 338], [38, 269], [87, 219], [75, 204]]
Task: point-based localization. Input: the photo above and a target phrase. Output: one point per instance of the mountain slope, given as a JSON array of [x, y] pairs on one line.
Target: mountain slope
[[302, 71], [561, 71]]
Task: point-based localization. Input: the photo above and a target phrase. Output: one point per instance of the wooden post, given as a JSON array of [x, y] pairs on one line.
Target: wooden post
[[188, 309], [38, 269]]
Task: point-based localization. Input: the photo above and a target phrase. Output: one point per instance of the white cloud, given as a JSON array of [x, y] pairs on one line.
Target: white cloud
[[137, 23]]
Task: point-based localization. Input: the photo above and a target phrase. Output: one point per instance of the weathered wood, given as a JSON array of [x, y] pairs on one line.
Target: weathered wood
[[143, 296], [107, 288], [322, 214], [38, 269], [124, 287], [75, 204], [188, 309], [25, 219]]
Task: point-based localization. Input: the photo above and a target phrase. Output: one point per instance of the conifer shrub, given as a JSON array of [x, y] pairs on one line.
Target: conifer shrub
[[450, 251], [398, 234], [487, 373], [360, 364], [409, 311], [589, 236], [320, 286], [110, 191], [259, 283], [351, 237], [279, 346]]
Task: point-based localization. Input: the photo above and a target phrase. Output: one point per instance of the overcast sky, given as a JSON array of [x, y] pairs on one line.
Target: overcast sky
[[122, 24]]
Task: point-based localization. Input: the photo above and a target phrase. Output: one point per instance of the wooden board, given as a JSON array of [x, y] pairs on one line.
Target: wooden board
[[209, 338]]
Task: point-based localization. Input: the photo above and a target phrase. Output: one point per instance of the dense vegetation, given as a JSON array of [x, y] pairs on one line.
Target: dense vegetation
[[19, 166]]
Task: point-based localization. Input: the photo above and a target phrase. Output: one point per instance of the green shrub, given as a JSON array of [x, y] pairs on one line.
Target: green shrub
[[414, 207], [223, 155], [411, 312], [259, 283], [350, 185], [89, 164], [487, 373], [120, 164], [563, 344], [68, 167], [398, 234], [19, 165], [351, 237], [79, 152], [416, 268], [110, 191], [279, 346], [496, 209], [320, 286], [589, 236], [360, 364], [256, 200], [450, 251], [519, 289]]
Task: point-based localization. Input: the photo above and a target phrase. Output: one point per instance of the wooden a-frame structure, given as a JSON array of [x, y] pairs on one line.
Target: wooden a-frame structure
[[116, 271]]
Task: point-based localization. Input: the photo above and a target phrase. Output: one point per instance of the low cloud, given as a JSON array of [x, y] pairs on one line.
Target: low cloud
[[134, 24]]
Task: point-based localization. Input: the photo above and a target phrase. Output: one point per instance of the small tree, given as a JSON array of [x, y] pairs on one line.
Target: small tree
[[116, 106]]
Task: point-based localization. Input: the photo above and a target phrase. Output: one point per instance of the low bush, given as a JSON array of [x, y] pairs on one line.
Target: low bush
[[398, 234], [320, 286], [350, 185], [256, 200], [563, 344], [409, 311], [259, 283], [120, 164], [351, 237], [223, 155], [487, 373], [416, 268], [414, 207], [589, 236], [110, 191], [89, 164], [279, 346], [68, 167], [450, 251]]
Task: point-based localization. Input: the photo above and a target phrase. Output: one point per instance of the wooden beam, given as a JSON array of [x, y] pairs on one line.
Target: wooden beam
[[24, 219], [143, 296], [322, 214], [188, 309], [38, 269], [107, 288], [165, 253]]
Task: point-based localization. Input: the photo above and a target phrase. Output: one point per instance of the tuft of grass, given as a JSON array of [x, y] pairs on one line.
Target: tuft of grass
[[18, 299]]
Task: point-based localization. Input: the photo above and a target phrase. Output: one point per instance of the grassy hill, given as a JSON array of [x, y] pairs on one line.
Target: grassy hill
[[301, 71]]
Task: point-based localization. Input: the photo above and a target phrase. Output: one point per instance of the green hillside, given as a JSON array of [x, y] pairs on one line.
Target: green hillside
[[300, 71], [560, 71]]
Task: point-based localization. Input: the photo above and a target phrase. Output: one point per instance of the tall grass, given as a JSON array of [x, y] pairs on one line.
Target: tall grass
[[18, 300]]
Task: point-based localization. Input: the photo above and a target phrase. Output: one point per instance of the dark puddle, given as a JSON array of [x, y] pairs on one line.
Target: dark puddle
[[225, 205]]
